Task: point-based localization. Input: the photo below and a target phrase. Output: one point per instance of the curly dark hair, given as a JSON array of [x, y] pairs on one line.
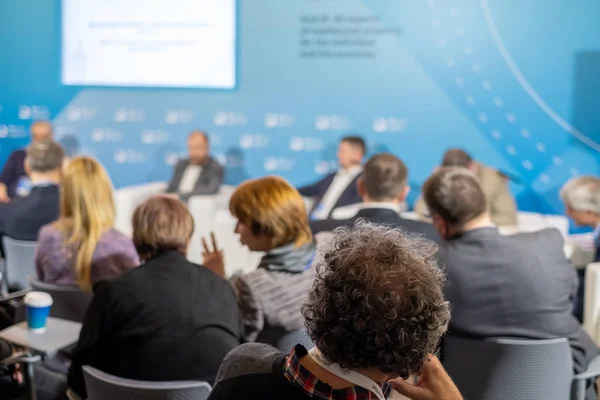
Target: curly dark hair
[[377, 300]]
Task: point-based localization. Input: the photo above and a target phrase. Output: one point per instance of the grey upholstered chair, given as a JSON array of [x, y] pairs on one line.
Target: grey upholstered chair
[[284, 340], [19, 262], [69, 302], [499, 369], [103, 386]]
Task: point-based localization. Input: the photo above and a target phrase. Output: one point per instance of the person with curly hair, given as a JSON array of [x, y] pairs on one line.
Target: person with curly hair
[[376, 313]]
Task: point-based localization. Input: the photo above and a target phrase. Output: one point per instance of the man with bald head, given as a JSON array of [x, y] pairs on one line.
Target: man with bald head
[[13, 178], [199, 174], [500, 202]]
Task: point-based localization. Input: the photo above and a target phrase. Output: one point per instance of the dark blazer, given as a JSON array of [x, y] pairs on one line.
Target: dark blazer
[[513, 286], [382, 216], [317, 191], [209, 182], [22, 218], [13, 171], [166, 320]]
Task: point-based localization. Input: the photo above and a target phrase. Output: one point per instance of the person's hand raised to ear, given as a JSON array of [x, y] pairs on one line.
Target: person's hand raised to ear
[[213, 258], [434, 383]]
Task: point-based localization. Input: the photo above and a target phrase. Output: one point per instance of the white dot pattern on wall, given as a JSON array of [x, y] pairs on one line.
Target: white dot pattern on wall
[[483, 117]]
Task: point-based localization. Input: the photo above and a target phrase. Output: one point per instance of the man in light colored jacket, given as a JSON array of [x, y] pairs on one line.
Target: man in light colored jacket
[[500, 202]]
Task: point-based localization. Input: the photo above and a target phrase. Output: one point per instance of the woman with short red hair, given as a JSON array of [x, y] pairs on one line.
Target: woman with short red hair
[[271, 218]]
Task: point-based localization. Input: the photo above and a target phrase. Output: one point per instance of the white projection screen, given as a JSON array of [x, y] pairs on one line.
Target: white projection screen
[[149, 43]]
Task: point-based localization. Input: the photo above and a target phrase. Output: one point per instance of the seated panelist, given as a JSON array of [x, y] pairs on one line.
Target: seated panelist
[[338, 189], [581, 196], [199, 174], [500, 202]]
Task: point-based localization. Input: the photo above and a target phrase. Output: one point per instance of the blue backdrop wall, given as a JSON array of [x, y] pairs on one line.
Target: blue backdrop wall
[[514, 82]]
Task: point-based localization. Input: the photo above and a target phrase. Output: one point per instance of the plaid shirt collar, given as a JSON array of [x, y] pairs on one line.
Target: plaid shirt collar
[[305, 380]]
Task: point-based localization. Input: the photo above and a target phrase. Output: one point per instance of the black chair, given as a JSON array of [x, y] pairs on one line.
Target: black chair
[[284, 340], [19, 262], [498, 369]]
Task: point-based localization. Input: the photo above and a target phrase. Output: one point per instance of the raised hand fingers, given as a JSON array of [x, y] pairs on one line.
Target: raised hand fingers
[[213, 239], [205, 245]]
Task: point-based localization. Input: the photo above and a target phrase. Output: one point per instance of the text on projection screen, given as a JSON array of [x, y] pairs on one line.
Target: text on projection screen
[[149, 43]]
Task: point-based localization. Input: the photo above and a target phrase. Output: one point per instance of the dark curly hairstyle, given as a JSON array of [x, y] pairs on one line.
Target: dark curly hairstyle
[[377, 300]]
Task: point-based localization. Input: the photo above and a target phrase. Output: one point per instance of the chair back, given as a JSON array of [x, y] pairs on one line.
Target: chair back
[[103, 386], [69, 302], [19, 262], [284, 340], [499, 369]]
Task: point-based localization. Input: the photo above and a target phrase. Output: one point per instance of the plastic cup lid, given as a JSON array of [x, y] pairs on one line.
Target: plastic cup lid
[[39, 299]]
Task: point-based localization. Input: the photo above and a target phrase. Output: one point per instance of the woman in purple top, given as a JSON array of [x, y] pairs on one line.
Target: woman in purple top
[[82, 247]]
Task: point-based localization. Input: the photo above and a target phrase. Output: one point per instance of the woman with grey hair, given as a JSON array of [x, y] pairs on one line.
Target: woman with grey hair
[[581, 196], [376, 313]]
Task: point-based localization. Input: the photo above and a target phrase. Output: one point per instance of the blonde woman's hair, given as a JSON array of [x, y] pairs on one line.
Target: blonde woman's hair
[[87, 211]]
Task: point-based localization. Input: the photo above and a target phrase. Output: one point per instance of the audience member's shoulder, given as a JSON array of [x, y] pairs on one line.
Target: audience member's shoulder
[[115, 241], [215, 163], [248, 359], [250, 277], [423, 228], [48, 231], [486, 172], [104, 289], [328, 225], [18, 153], [118, 235], [206, 274], [549, 236]]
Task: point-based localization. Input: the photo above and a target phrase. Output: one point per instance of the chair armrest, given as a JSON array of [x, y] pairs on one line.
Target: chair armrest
[[21, 357], [592, 371], [14, 295], [71, 395]]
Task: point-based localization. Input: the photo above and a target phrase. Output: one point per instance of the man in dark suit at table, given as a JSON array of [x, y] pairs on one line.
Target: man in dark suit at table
[[22, 218], [199, 174], [338, 189], [502, 286], [383, 188], [13, 178]]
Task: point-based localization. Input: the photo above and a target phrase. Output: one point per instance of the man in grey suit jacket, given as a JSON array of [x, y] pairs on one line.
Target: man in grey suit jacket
[[511, 286], [198, 174]]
